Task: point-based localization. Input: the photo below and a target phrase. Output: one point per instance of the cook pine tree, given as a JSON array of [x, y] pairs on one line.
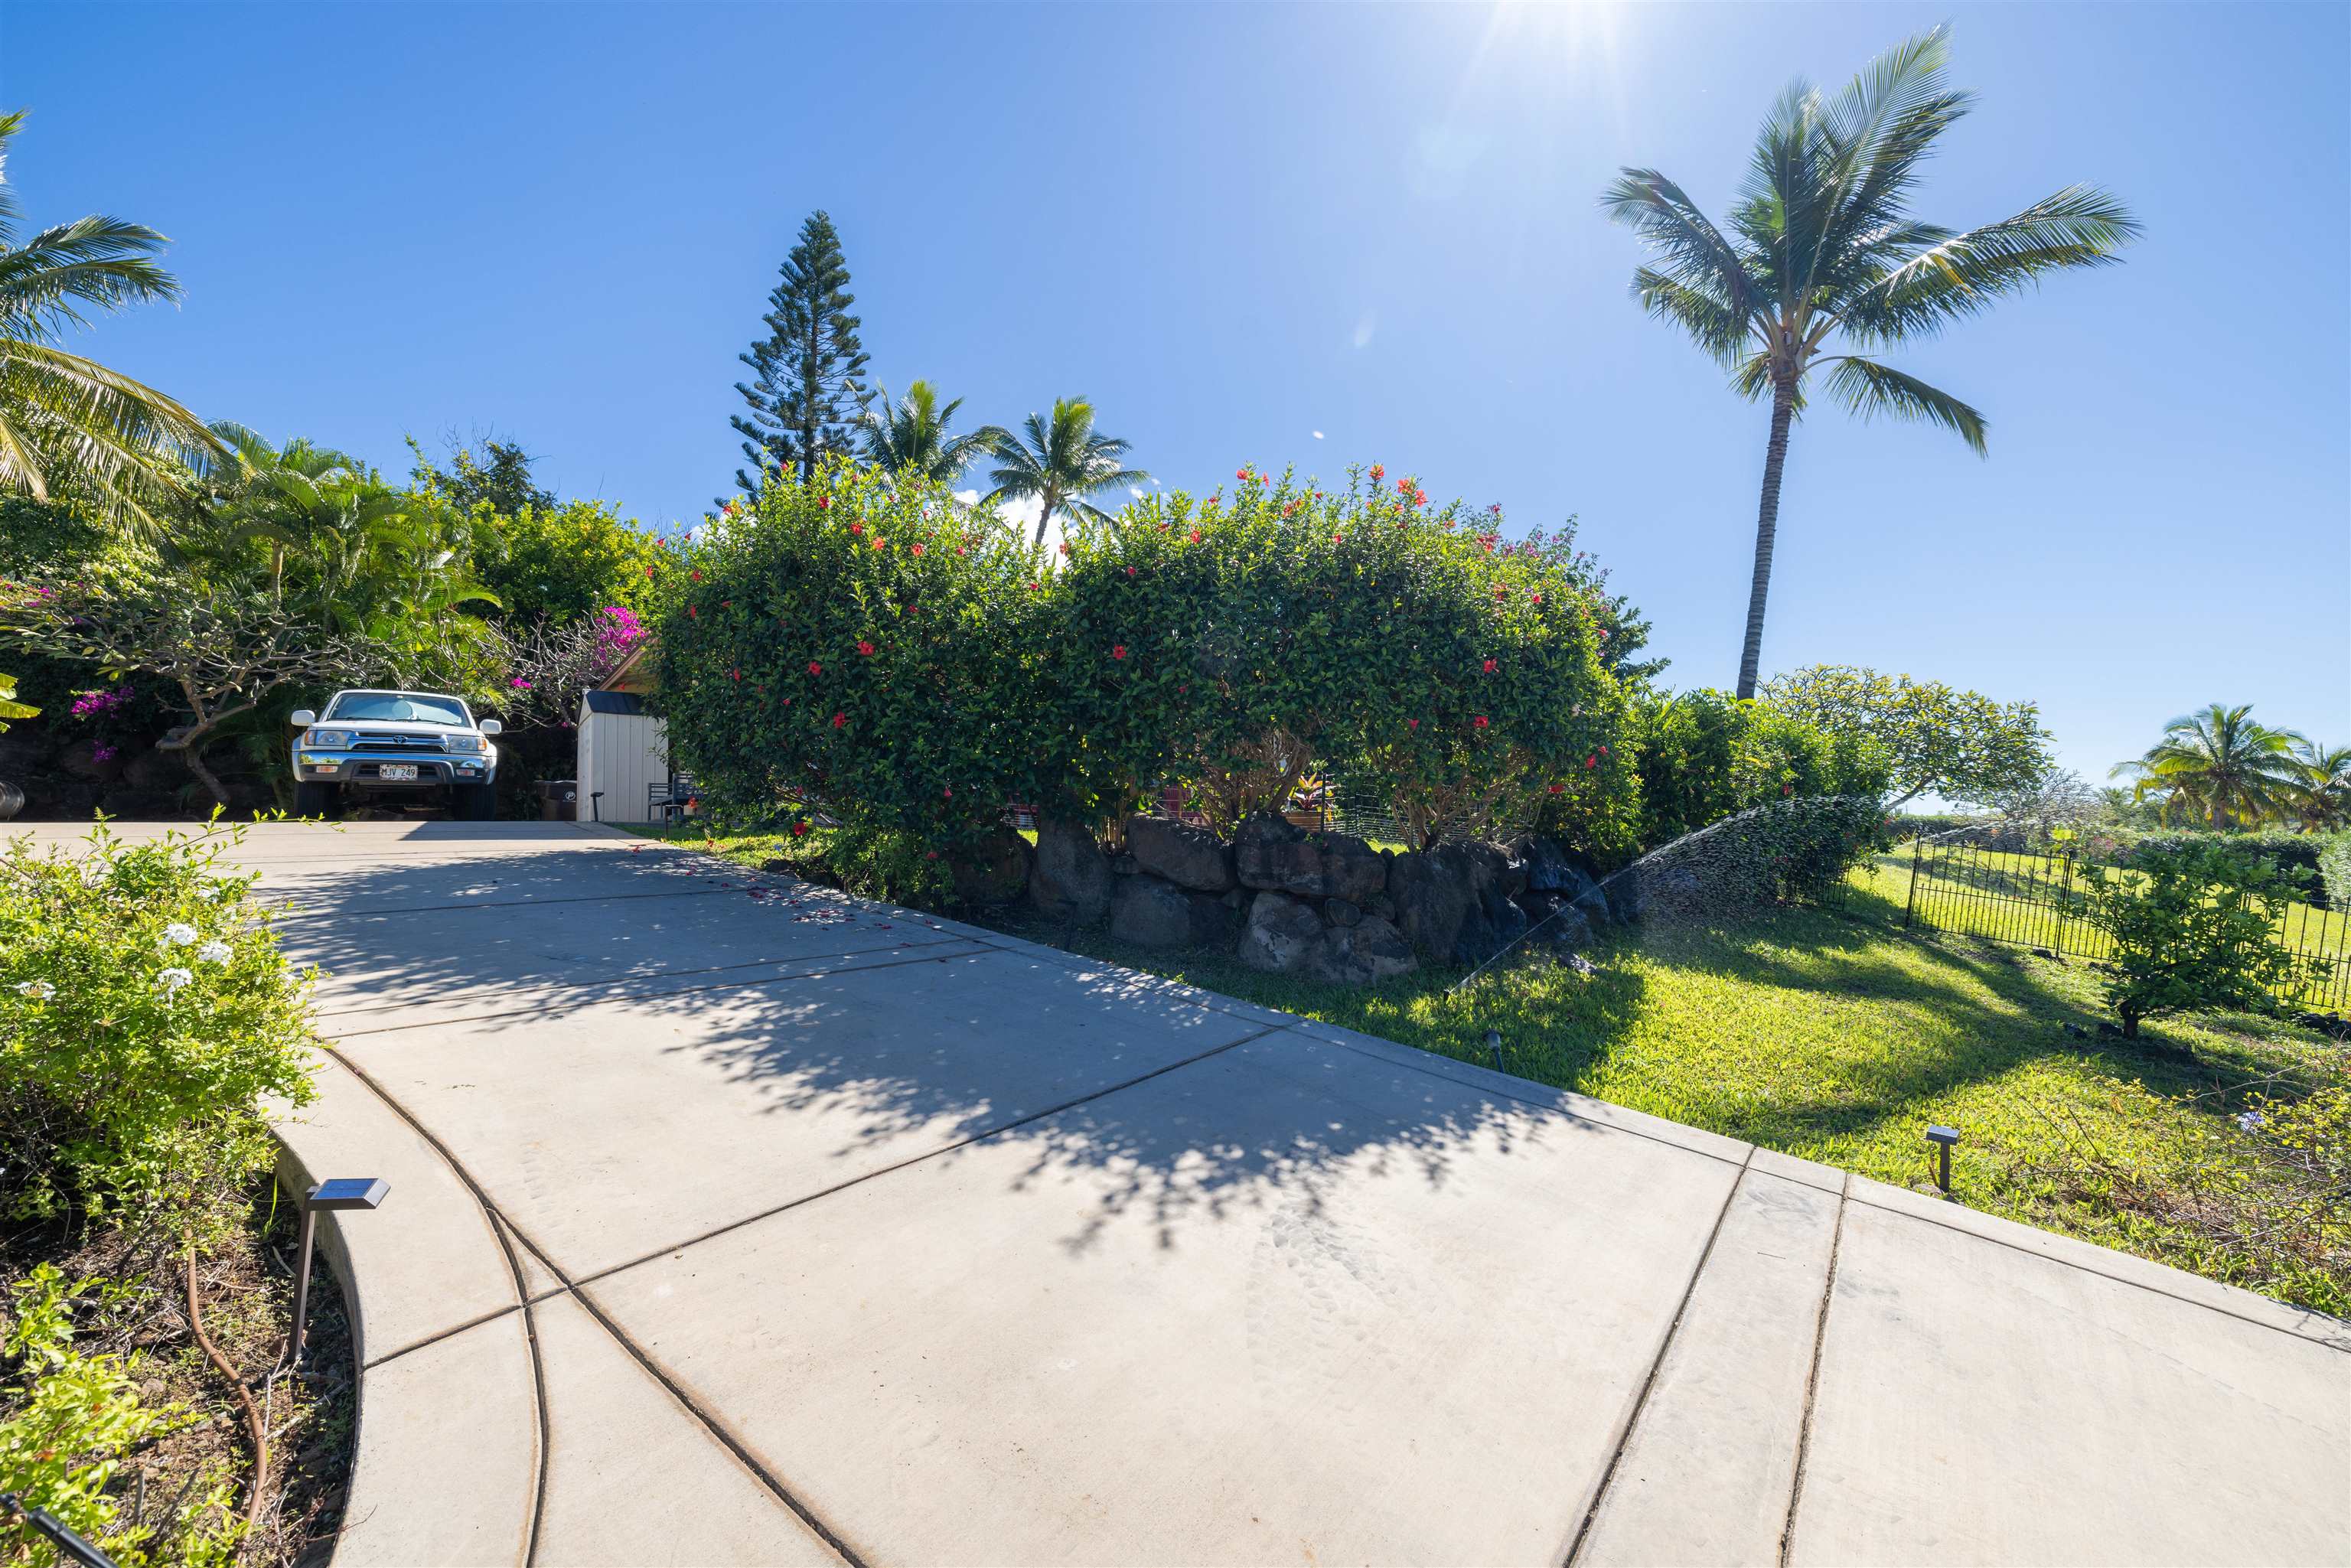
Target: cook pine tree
[[808, 391]]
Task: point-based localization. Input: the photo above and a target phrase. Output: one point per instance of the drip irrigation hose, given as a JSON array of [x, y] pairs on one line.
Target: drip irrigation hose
[[253, 1424]]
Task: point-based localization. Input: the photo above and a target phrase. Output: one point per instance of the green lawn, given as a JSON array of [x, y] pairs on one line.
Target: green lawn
[[1839, 1038]]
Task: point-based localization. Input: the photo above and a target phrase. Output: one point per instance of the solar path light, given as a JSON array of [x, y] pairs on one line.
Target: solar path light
[[342, 1192], [1943, 1138], [1494, 1049]]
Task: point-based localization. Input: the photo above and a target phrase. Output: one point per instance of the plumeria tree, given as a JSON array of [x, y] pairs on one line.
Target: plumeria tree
[[220, 647], [550, 666]]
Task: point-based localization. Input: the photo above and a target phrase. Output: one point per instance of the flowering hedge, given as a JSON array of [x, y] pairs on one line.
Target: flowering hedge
[[1235, 644], [868, 650], [857, 648]]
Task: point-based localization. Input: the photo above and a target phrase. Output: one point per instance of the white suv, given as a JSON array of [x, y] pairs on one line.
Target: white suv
[[395, 743]]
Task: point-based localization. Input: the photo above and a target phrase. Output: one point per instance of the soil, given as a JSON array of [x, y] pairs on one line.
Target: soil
[[246, 1299]]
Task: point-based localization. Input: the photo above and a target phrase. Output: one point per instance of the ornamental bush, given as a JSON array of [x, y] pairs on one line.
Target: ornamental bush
[[144, 1015], [860, 649], [2192, 929], [1703, 755], [1234, 646]]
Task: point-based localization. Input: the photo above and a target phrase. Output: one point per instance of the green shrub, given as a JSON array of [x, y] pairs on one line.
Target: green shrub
[[1796, 850], [144, 1014], [2190, 926], [1236, 646], [74, 1420], [860, 647], [2334, 870], [2297, 854]]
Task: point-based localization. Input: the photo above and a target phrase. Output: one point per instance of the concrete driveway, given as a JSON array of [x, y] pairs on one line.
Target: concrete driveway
[[737, 1221]]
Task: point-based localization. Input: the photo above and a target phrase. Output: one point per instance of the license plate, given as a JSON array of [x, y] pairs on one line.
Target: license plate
[[397, 772]]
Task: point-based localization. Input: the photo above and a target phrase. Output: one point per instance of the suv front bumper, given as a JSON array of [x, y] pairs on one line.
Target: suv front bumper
[[322, 765]]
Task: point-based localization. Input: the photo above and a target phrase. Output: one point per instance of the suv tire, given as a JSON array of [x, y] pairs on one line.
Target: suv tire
[[473, 802], [313, 800]]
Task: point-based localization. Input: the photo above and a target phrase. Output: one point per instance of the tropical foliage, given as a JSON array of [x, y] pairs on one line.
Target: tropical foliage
[[2221, 768], [2192, 930], [1058, 462], [1821, 253], [68, 426], [910, 436], [1958, 743]]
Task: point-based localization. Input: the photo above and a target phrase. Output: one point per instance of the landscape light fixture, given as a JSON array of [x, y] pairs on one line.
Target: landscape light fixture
[[1943, 1138], [1494, 1047], [342, 1192]]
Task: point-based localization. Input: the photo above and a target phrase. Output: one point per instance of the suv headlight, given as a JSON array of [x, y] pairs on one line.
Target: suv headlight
[[333, 739], [461, 743]]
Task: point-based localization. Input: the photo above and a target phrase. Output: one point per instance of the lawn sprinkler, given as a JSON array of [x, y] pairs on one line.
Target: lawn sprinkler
[[1943, 1138]]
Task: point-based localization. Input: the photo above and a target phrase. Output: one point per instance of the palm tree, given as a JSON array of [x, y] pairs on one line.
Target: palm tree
[[66, 421], [1821, 242], [910, 436], [1061, 463], [283, 494], [2324, 800], [2221, 764]]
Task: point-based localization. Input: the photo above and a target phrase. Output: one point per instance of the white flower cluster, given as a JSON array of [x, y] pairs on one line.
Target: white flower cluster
[[214, 952], [2249, 1120], [38, 990], [178, 934], [171, 980]]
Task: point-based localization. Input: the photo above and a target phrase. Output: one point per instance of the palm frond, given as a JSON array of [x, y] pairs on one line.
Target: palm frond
[[2080, 226], [1692, 251], [98, 261], [126, 441], [1710, 322], [1870, 389]]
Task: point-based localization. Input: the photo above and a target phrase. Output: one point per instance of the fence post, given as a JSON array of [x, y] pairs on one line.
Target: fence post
[[2065, 897], [1910, 905]]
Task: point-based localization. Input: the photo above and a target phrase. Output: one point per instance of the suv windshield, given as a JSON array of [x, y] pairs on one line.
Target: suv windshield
[[400, 707]]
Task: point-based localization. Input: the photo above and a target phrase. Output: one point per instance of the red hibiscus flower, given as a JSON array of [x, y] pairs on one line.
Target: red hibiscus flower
[[865, 647], [839, 720], [1478, 723], [692, 613], [697, 574], [1130, 572], [1538, 599], [1592, 762], [857, 527], [1378, 472], [947, 792], [879, 542], [1411, 723], [1557, 788], [1118, 651], [1242, 474], [1403, 487], [824, 503], [1490, 667], [918, 549], [1195, 536], [800, 830]]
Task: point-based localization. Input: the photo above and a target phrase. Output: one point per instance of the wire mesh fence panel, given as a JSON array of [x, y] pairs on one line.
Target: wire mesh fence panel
[[2022, 899]]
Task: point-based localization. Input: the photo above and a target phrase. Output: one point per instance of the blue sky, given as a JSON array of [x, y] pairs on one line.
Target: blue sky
[[1235, 227]]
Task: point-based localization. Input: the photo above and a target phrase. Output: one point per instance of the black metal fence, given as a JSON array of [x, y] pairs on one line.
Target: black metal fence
[[2024, 899]]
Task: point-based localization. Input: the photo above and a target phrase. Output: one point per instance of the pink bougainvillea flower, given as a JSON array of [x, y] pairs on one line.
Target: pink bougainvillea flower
[[839, 720], [1118, 651], [1490, 667], [865, 647], [1478, 723]]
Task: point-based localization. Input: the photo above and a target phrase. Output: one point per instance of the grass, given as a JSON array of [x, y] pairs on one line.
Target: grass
[[1840, 1038]]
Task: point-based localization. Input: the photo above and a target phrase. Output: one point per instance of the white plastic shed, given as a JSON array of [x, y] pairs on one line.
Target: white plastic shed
[[624, 752]]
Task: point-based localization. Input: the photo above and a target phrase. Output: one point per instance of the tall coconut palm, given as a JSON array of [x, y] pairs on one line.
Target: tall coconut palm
[[910, 435], [68, 424], [2323, 798], [2221, 764], [1060, 464], [1821, 246]]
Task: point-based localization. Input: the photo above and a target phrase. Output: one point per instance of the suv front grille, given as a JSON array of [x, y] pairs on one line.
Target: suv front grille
[[396, 743]]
